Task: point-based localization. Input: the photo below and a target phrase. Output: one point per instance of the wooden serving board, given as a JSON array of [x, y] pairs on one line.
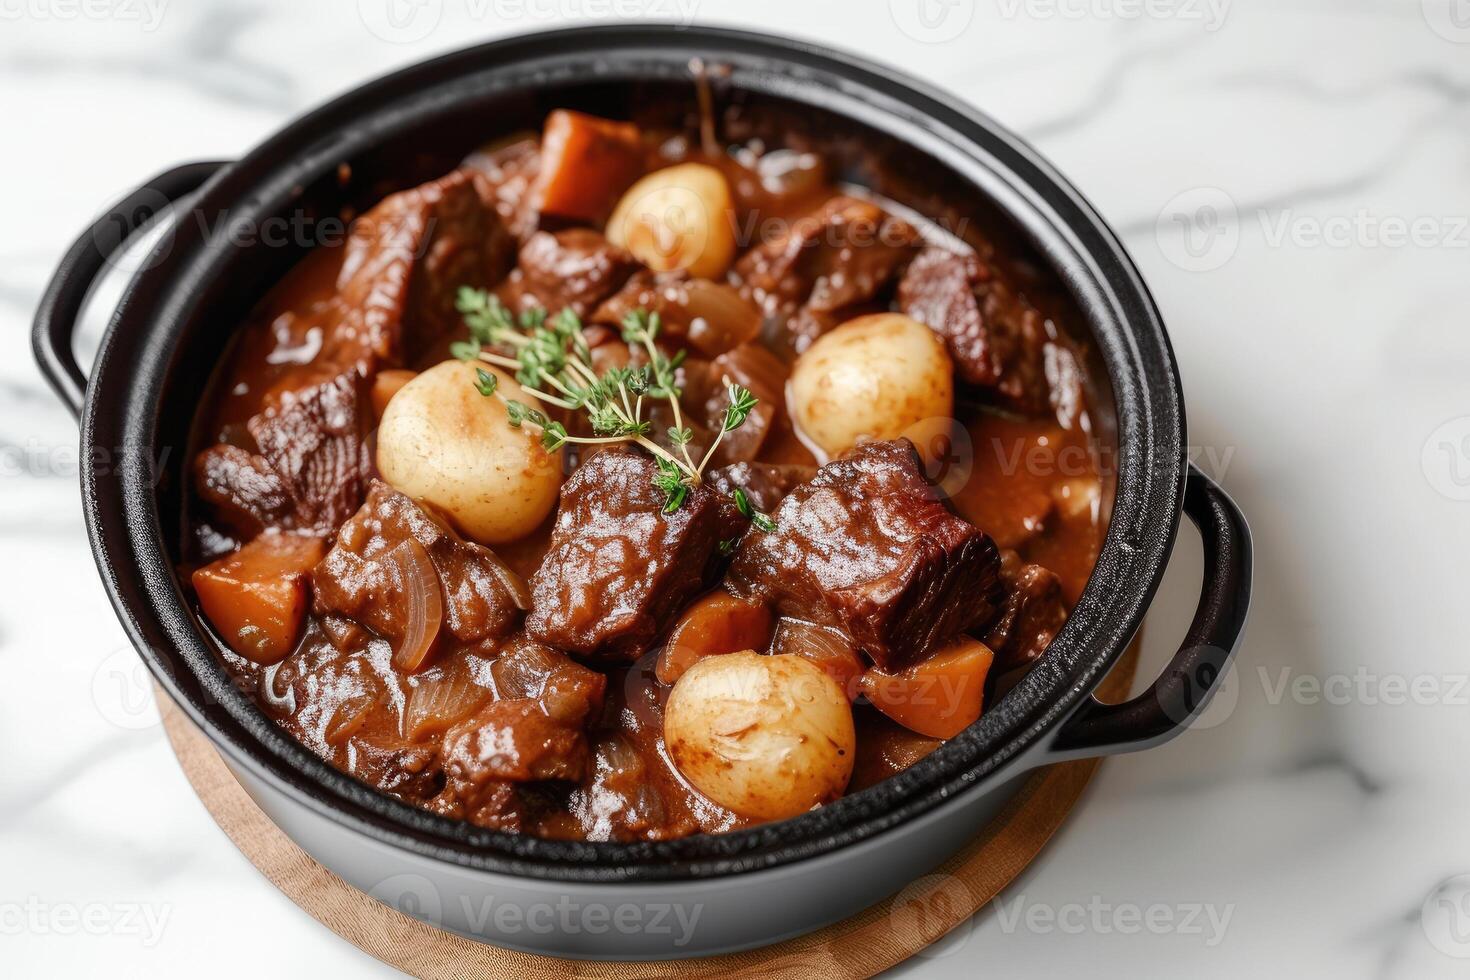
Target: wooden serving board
[[866, 944]]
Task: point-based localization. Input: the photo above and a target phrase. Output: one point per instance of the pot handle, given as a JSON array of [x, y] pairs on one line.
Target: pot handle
[[1183, 690], [61, 303]]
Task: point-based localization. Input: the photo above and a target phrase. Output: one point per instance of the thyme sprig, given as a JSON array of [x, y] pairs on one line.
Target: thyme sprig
[[552, 362]]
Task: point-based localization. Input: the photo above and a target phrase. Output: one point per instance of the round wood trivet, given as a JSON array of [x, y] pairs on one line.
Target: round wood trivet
[[862, 946]]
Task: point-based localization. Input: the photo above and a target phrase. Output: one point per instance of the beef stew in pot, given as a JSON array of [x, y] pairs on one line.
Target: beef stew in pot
[[559, 501]]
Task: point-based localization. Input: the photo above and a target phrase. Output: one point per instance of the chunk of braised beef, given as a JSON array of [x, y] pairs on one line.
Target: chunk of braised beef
[[568, 692], [939, 289], [507, 174], [405, 262], [359, 580], [574, 269], [997, 339], [1032, 613], [751, 366], [311, 464], [867, 546], [534, 731], [618, 568], [495, 804], [243, 490], [513, 740], [316, 438], [395, 765], [827, 263], [766, 484], [626, 796]]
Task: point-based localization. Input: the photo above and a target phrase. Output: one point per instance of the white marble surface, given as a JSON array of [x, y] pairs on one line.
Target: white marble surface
[[1320, 327]]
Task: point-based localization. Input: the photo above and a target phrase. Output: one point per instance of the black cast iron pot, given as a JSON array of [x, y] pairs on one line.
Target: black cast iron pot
[[705, 893]]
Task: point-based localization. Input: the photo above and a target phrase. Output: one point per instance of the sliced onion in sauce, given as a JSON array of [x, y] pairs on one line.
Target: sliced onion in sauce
[[436, 703], [349, 717], [719, 317], [425, 605], [513, 583]]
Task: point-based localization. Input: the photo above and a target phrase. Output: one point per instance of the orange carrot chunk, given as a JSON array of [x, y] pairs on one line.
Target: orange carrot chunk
[[939, 697], [586, 163], [715, 623], [256, 598]]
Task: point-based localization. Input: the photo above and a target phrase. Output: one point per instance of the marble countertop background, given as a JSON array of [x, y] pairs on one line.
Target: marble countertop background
[[1293, 177]]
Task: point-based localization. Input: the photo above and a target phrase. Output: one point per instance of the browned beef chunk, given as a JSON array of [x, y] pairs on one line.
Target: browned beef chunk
[[311, 466], [493, 803], [1031, 614], [515, 741], [997, 339], [870, 548], [619, 569], [316, 438], [535, 730], [827, 264], [938, 289], [507, 174], [406, 260], [394, 765], [750, 366], [766, 484], [568, 692], [361, 579], [245, 492], [625, 799], [574, 269]]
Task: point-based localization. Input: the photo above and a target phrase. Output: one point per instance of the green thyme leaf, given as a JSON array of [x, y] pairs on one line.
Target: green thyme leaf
[[553, 436], [741, 404], [485, 382], [747, 509]]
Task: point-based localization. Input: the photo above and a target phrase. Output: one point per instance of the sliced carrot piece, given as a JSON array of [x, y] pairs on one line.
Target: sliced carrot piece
[[256, 598], [713, 624], [939, 697], [386, 385], [586, 163]]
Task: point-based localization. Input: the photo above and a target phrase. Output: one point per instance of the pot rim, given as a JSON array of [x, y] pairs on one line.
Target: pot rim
[[128, 378]]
